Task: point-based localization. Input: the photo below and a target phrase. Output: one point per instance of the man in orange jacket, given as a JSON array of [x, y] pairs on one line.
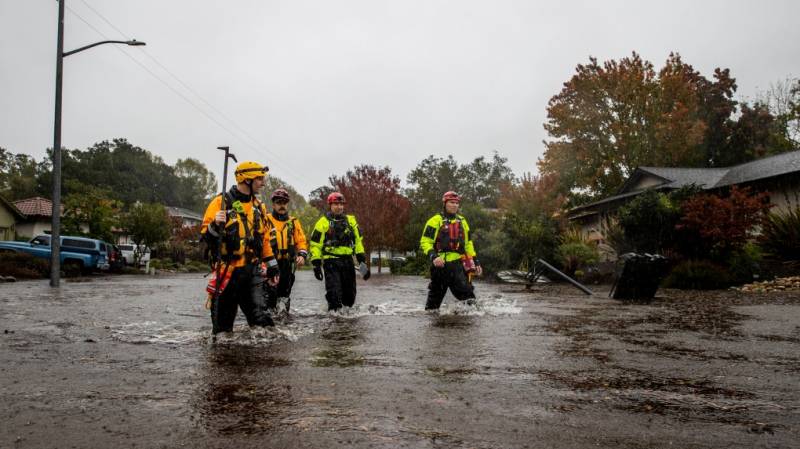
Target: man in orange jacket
[[234, 227], [289, 246]]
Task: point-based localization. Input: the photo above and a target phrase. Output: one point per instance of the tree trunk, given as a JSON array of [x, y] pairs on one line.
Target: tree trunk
[[379, 262]]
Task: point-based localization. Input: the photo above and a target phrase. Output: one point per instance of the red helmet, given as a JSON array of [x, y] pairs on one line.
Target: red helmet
[[450, 196], [336, 197], [280, 194]]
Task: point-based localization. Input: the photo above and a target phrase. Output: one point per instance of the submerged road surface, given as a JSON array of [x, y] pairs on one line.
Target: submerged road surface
[[127, 362]]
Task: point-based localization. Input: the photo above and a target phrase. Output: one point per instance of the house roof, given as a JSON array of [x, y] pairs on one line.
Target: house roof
[[706, 178], [183, 213], [768, 167], [577, 211], [676, 177], [36, 207], [14, 210], [711, 178]]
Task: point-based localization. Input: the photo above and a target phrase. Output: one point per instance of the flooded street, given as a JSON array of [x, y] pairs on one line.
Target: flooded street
[[127, 361]]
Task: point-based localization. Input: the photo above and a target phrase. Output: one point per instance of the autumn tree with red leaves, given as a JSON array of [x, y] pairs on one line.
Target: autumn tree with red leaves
[[723, 223], [373, 196], [532, 196]]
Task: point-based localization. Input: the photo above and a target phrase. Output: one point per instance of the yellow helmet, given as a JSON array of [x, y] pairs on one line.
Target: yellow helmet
[[249, 170]]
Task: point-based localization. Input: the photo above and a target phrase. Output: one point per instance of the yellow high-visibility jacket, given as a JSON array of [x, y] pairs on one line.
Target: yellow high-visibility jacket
[[435, 243], [286, 237], [245, 224], [336, 238]]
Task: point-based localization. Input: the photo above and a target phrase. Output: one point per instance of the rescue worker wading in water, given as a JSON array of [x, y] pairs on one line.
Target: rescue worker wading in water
[[289, 246], [335, 240], [234, 227], [446, 242]]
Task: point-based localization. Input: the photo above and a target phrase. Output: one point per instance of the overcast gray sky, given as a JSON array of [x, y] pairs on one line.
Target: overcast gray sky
[[313, 88]]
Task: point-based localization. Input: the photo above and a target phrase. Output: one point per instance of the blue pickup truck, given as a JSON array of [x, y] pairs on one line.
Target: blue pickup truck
[[77, 253]]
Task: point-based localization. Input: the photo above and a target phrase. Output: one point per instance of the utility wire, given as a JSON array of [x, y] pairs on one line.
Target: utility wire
[[273, 156], [180, 81]]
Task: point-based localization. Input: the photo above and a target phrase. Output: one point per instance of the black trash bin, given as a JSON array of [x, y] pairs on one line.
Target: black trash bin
[[638, 276]]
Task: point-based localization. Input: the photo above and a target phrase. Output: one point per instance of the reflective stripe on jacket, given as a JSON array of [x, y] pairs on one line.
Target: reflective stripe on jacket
[[238, 238], [430, 236], [325, 244]]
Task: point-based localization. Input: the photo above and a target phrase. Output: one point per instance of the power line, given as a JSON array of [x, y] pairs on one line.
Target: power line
[[274, 157]]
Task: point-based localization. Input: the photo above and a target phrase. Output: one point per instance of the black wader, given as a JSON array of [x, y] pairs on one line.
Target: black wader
[[284, 287], [340, 282], [243, 291], [452, 276]]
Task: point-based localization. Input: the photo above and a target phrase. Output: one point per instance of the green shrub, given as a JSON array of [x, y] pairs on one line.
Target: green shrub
[[780, 235], [574, 255], [615, 237], [527, 240], [648, 222], [744, 265], [698, 275], [415, 266], [23, 266], [492, 252]]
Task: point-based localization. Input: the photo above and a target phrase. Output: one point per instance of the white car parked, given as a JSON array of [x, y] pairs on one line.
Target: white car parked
[[128, 254]]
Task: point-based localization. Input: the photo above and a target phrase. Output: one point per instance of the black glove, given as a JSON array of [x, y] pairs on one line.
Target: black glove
[[367, 274], [317, 269], [361, 258], [273, 271]]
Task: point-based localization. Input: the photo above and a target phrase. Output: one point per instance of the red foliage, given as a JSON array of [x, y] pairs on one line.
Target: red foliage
[[532, 196], [181, 233], [373, 196], [725, 223]]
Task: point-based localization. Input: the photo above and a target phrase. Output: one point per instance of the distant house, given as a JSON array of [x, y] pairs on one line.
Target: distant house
[[778, 176], [38, 219], [10, 215], [38, 213], [187, 217]]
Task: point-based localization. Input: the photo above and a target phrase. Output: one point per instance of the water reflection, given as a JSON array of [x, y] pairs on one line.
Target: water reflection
[[238, 392], [452, 346], [338, 339]]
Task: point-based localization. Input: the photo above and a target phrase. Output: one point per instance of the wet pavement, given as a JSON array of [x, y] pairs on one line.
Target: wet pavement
[[127, 361]]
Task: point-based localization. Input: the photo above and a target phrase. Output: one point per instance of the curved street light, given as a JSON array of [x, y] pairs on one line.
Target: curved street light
[[133, 43], [55, 233]]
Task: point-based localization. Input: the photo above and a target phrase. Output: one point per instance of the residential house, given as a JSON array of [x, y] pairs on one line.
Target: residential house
[[38, 219], [38, 213], [10, 215], [186, 217], [778, 176]]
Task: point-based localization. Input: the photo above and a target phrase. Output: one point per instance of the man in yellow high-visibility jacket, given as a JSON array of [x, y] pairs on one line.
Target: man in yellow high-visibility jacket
[[289, 245], [446, 242], [334, 242]]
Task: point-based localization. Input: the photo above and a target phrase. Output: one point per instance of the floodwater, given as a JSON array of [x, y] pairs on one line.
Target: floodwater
[[127, 361]]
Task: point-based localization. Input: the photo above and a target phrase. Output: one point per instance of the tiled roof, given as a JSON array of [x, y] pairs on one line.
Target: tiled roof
[[36, 206]]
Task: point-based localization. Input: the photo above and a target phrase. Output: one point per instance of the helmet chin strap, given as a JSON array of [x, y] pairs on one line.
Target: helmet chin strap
[[249, 183]]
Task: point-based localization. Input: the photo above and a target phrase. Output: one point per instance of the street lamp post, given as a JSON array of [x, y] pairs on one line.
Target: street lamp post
[[55, 233]]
